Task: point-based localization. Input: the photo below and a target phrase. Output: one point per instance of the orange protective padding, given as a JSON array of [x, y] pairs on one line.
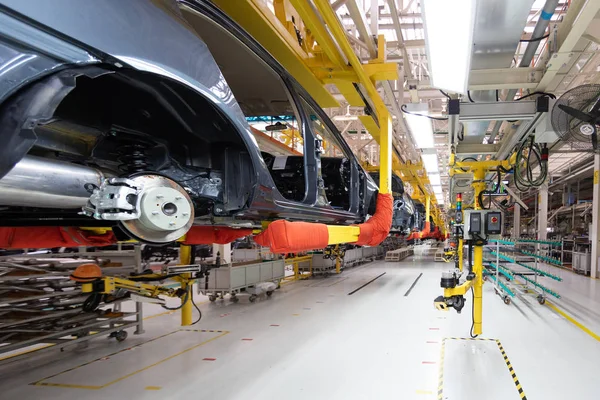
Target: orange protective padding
[[214, 235], [377, 228], [292, 237], [44, 237]]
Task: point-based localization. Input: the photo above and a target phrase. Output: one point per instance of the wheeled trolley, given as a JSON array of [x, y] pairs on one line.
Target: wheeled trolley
[[235, 278]]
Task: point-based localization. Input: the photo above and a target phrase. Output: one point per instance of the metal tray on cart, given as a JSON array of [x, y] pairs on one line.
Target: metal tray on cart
[[234, 278]]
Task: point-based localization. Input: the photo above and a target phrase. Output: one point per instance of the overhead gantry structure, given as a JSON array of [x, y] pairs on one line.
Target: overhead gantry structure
[[311, 43]]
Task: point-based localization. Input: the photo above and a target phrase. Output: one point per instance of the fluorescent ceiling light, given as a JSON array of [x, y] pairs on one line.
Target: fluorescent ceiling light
[[449, 44], [420, 127], [430, 161], [435, 180], [345, 117], [437, 190], [440, 198]]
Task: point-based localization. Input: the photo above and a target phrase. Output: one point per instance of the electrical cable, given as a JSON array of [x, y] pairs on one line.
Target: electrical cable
[[183, 301], [197, 308], [461, 135], [537, 93], [445, 94], [497, 95], [472, 314], [534, 39], [403, 108], [469, 96], [523, 169]]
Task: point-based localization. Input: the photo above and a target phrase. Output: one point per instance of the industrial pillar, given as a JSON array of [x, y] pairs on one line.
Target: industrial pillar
[[185, 257], [542, 220], [225, 252], [517, 221], [478, 186], [595, 230]]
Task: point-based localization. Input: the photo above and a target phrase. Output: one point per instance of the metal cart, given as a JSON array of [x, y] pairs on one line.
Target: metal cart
[[232, 279]]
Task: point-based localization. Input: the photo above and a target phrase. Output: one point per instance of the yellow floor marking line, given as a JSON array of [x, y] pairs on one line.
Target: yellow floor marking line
[[153, 388], [426, 392], [97, 387], [511, 370], [573, 321], [26, 351], [441, 371]]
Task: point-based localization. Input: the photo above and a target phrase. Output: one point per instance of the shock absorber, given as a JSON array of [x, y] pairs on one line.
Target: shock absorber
[[133, 158]]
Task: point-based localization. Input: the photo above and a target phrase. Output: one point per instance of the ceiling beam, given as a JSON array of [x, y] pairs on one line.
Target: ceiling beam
[[360, 22]]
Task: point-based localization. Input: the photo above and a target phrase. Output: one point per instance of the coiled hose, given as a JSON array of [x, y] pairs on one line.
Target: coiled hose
[[529, 153]]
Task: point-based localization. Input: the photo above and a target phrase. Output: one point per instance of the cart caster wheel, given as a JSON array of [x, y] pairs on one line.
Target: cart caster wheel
[[270, 293], [235, 299], [120, 335], [212, 298], [541, 300], [252, 298], [507, 300]]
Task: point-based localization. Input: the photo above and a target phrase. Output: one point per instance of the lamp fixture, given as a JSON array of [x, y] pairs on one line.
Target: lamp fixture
[[430, 161], [434, 179], [420, 127], [449, 47]]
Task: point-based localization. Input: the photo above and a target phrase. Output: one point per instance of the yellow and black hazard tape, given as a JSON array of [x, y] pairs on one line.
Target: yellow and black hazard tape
[[441, 371], [506, 360], [512, 371]]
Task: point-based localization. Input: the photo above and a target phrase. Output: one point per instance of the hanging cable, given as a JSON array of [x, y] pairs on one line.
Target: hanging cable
[[472, 314], [404, 110], [529, 155], [534, 39], [537, 93], [469, 96], [445, 94]]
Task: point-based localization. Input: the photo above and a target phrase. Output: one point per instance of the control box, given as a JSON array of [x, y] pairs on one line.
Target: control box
[[493, 223], [481, 223]]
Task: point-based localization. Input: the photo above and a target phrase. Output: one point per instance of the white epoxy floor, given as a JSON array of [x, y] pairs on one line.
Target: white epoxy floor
[[312, 340]]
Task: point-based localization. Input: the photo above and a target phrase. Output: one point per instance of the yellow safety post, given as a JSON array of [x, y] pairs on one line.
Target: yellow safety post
[[478, 186], [185, 258]]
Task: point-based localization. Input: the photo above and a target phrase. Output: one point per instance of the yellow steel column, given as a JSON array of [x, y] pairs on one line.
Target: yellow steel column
[[427, 207], [385, 150], [478, 186], [185, 258], [383, 115]]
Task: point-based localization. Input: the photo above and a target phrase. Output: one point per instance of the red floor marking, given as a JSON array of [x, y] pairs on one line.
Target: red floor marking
[[274, 325], [428, 362], [247, 339], [208, 359], [224, 315], [434, 329]]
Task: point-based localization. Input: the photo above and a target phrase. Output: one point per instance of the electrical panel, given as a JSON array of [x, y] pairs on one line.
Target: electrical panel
[[481, 223]]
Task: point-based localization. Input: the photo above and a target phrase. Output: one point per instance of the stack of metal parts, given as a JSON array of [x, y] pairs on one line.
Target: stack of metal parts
[[40, 304]]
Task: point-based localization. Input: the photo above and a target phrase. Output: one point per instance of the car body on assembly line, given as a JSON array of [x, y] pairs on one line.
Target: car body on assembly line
[[150, 116]]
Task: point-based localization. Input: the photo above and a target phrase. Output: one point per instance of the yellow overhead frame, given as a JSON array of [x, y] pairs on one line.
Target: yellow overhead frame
[[324, 57]]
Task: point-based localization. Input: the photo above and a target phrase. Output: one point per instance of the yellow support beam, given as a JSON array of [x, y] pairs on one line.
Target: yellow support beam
[[185, 258], [343, 234]]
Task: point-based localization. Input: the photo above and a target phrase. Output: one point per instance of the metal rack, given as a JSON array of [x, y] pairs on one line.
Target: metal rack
[[40, 305], [499, 264]]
